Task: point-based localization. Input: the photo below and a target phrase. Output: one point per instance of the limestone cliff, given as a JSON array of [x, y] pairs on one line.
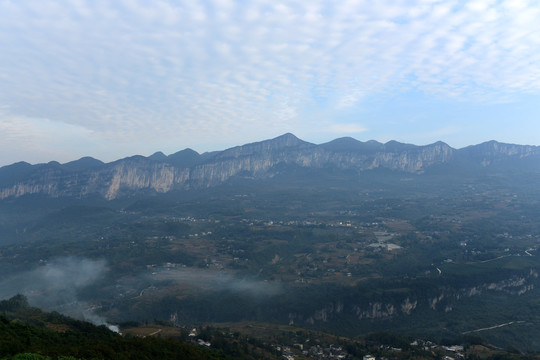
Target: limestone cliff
[[188, 169]]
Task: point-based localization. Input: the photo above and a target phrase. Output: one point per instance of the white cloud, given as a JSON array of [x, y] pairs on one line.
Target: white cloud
[[40, 140], [219, 68]]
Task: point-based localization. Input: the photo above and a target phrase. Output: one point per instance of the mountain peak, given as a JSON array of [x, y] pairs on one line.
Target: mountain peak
[[83, 163], [281, 142], [346, 144], [287, 136], [158, 156], [492, 148], [287, 140], [344, 140], [184, 158], [394, 145]]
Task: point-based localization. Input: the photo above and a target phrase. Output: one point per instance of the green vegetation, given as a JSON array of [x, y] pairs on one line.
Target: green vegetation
[[57, 337], [29, 333], [355, 258]]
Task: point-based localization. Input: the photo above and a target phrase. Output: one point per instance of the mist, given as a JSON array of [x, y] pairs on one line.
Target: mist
[[218, 281], [55, 287]]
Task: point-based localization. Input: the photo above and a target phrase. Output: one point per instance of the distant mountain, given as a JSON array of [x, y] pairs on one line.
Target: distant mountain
[[184, 158], [158, 156], [348, 144], [493, 152], [83, 164], [188, 169]]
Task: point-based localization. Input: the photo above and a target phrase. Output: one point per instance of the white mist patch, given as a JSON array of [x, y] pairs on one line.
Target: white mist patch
[[55, 286], [55, 283], [95, 319], [218, 281]]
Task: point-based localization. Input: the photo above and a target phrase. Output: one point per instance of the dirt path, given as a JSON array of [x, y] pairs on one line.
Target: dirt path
[[493, 327]]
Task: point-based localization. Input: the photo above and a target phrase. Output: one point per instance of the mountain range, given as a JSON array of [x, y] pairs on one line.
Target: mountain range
[[188, 169]]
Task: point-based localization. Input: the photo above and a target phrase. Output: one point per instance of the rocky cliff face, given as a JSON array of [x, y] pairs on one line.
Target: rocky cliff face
[[492, 152], [443, 300], [258, 160], [109, 180]]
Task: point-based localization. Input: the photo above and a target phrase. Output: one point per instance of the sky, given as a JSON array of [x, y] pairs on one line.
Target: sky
[[111, 79]]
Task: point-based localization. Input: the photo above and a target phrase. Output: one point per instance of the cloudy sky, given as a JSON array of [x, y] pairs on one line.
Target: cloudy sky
[[116, 78]]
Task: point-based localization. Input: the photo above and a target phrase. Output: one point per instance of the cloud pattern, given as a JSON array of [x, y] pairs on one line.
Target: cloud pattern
[[134, 71]]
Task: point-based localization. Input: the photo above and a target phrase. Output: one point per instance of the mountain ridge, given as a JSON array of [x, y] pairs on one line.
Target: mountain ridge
[[188, 169]]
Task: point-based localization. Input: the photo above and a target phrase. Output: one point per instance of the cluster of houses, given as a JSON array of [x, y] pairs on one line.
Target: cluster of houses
[[331, 352], [336, 352], [201, 342]]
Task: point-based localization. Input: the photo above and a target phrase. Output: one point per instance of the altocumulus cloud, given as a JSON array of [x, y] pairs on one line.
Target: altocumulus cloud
[[172, 71]]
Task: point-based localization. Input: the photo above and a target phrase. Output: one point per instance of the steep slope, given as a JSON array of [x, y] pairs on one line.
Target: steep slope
[[495, 153], [29, 333], [187, 169]]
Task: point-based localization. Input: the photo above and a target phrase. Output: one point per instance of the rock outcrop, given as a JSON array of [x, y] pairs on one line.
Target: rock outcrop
[[188, 169]]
